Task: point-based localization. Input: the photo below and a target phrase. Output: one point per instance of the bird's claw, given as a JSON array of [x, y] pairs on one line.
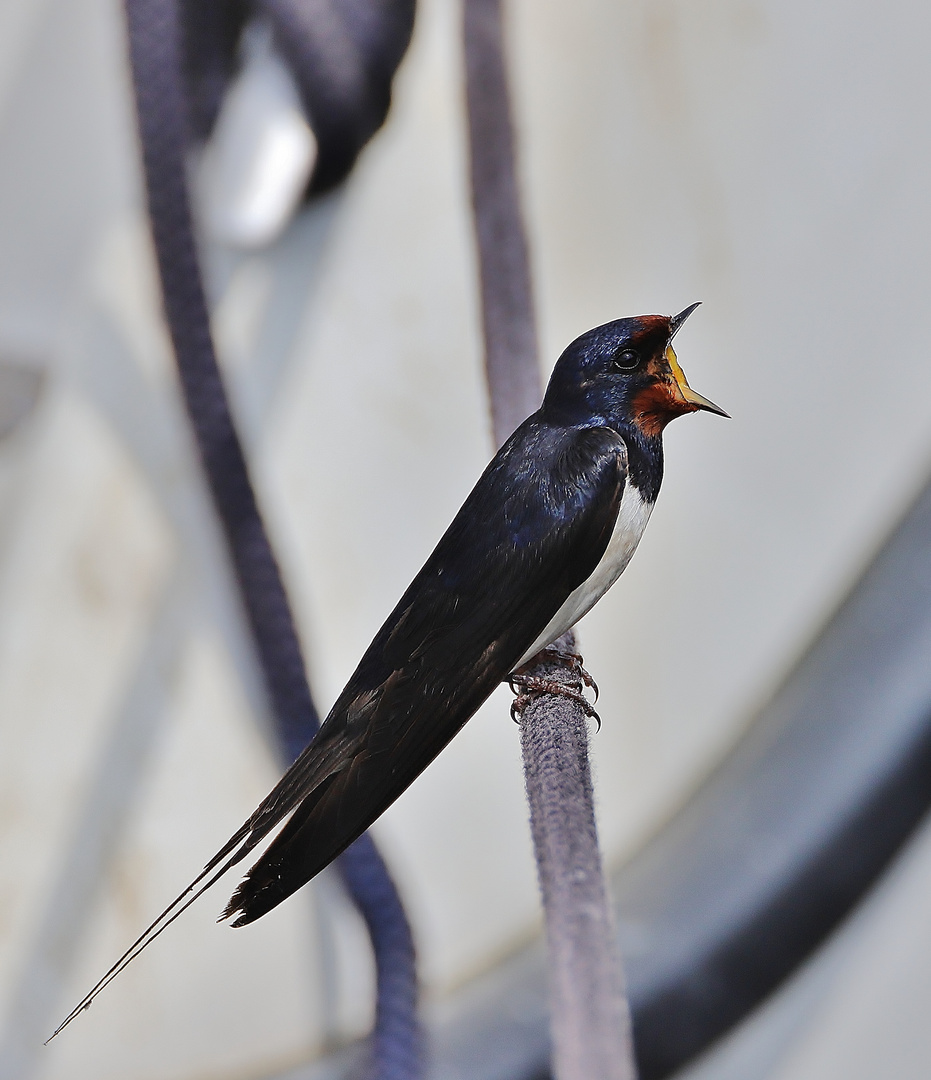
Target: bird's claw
[[528, 687], [520, 702], [577, 662]]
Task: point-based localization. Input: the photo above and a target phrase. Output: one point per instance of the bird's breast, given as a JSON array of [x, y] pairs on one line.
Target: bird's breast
[[632, 518]]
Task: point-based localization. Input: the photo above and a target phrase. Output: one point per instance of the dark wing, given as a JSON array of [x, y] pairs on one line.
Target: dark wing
[[534, 527]]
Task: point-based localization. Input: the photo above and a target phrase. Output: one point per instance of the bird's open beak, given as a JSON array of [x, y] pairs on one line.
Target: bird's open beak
[[688, 394], [677, 320]]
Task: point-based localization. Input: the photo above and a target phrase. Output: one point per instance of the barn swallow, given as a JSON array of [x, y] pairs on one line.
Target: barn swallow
[[549, 527]]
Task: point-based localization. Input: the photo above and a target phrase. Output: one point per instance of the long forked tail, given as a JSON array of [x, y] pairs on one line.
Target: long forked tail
[[240, 844], [303, 777]]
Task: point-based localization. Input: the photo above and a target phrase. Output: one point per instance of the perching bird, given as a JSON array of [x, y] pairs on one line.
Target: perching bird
[[548, 528]]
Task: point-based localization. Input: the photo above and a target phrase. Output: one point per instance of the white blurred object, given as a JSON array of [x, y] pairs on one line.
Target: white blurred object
[[261, 154]]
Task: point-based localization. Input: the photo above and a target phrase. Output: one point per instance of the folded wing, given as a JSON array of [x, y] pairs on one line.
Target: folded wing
[[534, 527]]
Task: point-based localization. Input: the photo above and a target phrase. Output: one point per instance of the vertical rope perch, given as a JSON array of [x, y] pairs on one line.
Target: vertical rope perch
[[590, 1022], [590, 1019]]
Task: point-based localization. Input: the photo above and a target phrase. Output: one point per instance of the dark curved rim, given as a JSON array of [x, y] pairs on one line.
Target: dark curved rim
[[799, 821]]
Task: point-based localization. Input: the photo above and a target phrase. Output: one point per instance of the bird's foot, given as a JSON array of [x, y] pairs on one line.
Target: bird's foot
[[527, 688], [575, 661]]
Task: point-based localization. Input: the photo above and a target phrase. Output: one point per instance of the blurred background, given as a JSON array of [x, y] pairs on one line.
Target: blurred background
[[769, 159]]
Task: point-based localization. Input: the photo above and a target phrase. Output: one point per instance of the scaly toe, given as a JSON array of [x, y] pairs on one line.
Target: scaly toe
[[528, 687]]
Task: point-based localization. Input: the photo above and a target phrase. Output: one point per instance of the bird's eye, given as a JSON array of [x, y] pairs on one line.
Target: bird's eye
[[626, 359]]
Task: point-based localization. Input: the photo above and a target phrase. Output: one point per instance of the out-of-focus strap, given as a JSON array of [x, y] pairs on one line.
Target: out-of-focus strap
[[162, 109]]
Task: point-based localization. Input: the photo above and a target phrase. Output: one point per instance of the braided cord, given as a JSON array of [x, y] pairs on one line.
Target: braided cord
[[162, 111]]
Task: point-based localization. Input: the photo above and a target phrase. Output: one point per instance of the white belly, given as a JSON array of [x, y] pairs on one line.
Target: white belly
[[632, 519]]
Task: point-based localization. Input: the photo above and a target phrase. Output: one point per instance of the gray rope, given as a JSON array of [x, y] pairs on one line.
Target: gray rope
[[590, 1016], [512, 368]]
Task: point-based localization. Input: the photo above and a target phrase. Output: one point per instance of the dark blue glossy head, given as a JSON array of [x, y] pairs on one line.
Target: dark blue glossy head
[[623, 373]]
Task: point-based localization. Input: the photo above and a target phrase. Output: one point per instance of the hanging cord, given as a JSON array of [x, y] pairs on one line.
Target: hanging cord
[[590, 1022], [155, 50], [512, 369]]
